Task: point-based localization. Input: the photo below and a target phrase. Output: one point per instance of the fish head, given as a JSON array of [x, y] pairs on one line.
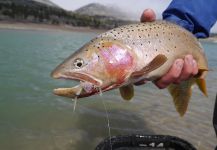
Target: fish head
[[100, 65]]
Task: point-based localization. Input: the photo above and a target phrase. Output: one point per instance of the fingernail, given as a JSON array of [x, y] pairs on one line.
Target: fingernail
[[179, 64], [194, 63], [148, 10], [189, 60]]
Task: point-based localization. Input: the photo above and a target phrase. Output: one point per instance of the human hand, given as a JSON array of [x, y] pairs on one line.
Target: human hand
[[181, 70]]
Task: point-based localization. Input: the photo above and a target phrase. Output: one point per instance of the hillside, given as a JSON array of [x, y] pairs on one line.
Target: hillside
[[43, 11], [94, 9], [47, 2]]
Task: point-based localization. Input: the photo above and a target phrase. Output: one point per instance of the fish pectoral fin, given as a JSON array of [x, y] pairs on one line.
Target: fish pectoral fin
[[127, 92], [181, 94], [158, 61]]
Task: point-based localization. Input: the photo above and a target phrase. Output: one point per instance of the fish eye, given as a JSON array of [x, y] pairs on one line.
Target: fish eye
[[78, 63]]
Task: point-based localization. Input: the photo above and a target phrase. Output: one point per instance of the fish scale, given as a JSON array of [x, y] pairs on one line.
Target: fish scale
[[125, 55]]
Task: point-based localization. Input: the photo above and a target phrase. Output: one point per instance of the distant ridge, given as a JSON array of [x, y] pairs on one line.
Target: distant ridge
[[47, 2], [46, 12], [96, 9]]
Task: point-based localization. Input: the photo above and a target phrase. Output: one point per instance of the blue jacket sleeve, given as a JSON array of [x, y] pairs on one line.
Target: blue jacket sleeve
[[197, 16]]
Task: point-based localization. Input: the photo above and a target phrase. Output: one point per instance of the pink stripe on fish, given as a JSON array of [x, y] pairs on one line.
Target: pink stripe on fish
[[118, 61]]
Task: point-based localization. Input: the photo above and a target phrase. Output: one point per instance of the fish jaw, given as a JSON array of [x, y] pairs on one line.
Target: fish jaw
[[88, 85]]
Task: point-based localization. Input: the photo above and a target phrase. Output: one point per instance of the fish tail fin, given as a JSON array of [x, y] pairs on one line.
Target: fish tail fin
[[181, 94], [201, 83]]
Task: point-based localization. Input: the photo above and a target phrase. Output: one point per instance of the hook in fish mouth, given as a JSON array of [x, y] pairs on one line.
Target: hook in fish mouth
[[88, 85]]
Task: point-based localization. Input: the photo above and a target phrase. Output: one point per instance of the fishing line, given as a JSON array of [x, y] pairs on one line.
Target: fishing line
[[76, 98], [107, 117], [75, 103]]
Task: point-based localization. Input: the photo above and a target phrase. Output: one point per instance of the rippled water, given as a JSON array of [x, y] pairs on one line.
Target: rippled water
[[32, 118]]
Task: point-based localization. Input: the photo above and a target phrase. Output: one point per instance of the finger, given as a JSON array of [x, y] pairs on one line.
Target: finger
[[195, 68], [172, 75], [148, 15], [187, 71], [140, 82]]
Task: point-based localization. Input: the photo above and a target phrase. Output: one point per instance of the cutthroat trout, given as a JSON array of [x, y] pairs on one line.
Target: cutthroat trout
[[123, 56]]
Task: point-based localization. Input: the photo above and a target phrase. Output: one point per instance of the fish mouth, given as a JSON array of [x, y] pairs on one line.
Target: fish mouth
[[87, 86]]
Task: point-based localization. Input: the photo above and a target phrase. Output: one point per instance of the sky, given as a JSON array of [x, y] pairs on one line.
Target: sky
[[135, 7]]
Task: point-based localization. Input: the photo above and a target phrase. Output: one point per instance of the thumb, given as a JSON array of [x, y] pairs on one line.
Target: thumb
[[148, 15]]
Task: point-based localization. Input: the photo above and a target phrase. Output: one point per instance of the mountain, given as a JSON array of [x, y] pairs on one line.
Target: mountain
[[46, 12], [96, 9], [47, 2]]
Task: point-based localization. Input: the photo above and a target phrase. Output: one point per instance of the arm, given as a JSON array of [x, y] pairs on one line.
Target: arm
[[196, 16]]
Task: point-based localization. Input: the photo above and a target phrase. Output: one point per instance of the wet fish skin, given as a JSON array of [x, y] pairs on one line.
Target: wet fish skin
[[125, 55]]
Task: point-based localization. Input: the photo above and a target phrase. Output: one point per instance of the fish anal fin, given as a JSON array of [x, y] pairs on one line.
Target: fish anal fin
[[181, 94], [127, 92], [158, 61]]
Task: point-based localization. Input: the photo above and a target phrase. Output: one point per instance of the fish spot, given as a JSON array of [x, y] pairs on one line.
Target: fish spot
[[149, 42], [168, 51], [155, 49], [174, 46], [156, 34], [148, 35], [159, 41]]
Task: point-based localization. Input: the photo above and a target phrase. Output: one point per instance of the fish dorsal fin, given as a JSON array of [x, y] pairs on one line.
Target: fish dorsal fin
[[158, 61], [181, 94], [127, 92]]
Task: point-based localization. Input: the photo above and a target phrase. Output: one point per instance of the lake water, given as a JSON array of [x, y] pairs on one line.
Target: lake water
[[32, 118]]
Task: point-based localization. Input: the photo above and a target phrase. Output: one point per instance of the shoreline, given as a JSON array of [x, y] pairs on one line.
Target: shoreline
[[66, 28], [46, 27]]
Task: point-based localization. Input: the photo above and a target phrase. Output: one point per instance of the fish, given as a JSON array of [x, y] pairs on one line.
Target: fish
[[131, 53]]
